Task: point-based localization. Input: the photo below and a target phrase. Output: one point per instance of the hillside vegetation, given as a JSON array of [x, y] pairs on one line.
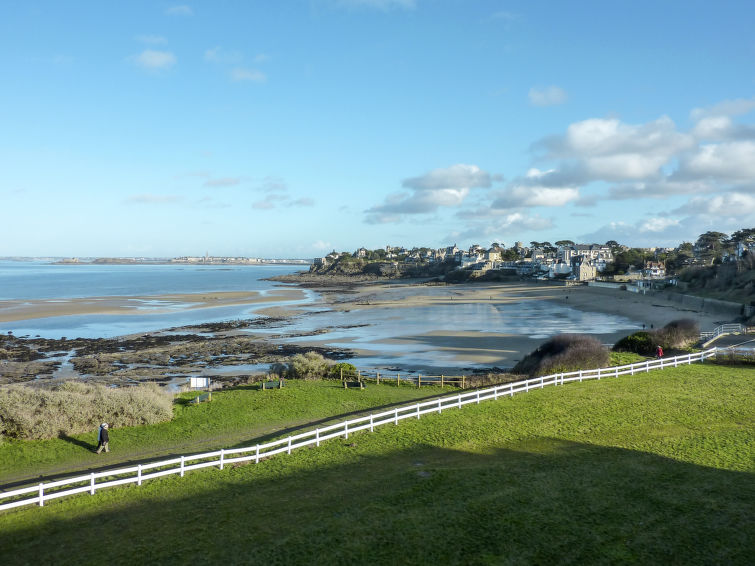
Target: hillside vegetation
[[656, 468]]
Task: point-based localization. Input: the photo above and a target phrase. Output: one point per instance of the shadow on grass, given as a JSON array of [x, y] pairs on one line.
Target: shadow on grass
[[547, 502], [77, 442]]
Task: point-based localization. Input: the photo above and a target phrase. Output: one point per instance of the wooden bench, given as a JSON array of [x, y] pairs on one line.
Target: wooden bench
[[353, 384], [277, 384], [203, 397]]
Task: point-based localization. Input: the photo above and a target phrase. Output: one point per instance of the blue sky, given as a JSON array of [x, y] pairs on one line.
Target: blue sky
[[291, 128]]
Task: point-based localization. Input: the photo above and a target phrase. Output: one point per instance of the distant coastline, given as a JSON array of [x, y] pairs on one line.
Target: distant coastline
[[200, 260]]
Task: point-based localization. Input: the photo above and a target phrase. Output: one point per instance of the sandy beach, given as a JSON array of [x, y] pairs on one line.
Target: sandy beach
[[42, 308]]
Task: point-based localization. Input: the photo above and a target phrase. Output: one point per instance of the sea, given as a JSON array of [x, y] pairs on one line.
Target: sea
[[380, 337], [28, 280]]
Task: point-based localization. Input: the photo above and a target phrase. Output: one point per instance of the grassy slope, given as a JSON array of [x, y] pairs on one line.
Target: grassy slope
[[655, 468], [234, 417]]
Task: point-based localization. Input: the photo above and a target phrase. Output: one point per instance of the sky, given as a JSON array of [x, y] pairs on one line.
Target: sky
[[292, 128]]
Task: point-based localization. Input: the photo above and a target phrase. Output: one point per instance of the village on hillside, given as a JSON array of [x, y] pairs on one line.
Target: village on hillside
[[565, 260]]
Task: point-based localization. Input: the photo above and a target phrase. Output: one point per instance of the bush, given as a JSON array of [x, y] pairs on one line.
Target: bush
[[563, 353], [677, 334], [74, 407], [342, 369], [310, 365], [642, 343]]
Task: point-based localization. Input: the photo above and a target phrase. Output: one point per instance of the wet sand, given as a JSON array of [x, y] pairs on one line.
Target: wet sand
[[158, 304]]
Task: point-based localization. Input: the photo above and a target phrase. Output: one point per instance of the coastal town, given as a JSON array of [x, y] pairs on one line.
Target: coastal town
[[565, 260]]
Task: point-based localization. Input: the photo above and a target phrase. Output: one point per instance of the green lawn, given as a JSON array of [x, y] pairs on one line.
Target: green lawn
[[655, 468], [234, 417]]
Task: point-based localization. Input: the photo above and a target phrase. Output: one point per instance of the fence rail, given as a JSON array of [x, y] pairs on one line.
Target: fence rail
[[46, 491], [721, 330]]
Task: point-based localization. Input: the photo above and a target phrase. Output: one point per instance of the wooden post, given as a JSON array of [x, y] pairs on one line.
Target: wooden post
[[378, 378], [398, 379], [419, 380], [341, 375], [441, 380], [462, 382]]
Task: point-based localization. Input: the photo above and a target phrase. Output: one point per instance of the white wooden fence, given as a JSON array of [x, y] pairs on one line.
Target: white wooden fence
[[721, 330], [90, 483]]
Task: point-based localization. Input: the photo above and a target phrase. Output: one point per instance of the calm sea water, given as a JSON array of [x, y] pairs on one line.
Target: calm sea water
[[373, 331], [40, 280]]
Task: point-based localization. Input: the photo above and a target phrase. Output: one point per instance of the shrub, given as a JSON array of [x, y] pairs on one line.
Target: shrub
[[566, 352], [680, 333], [74, 407], [310, 365], [642, 343], [677, 334], [342, 369]]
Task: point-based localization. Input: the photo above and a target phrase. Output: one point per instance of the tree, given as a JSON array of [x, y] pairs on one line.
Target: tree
[[564, 243], [710, 246]]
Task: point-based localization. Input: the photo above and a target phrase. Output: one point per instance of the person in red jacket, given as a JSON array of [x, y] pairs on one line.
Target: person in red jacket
[[659, 352]]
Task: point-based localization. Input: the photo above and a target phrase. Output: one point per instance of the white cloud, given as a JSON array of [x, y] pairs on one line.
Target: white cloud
[[548, 96], [735, 107], [179, 10], [727, 204], [733, 161], [446, 187], [154, 60], [222, 182], [456, 176], [151, 39], [221, 55], [303, 201], [512, 223], [529, 195], [656, 224], [241, 74]]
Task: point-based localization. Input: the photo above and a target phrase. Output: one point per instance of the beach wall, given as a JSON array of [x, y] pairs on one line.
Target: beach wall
[[711, 305]]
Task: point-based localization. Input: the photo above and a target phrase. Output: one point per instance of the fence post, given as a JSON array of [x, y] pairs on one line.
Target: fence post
[[257, 455], [462, 382], [459, 399], [182, 465], [91, 484], [139, 475], [580, 376], [221, 458], [616, 371], [289, 445], [441, 380], [346, 429], [647, 367], [372, 427], [378, 378], [526, 385], [317, 436], [440, 409], [541, 381], [396, 416], [41, 495], [398, 379], [419, 380], [495, 393], [417, 411], [598, 373]]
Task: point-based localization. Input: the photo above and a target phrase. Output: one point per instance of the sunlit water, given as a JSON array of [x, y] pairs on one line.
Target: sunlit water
[[387, 336]]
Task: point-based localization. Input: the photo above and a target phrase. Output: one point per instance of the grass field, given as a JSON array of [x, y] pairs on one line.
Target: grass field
[[234, 417], [657, 468]]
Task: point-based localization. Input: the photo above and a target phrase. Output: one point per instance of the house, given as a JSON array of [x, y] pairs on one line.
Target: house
[[654, 270], [584, 271], [361, 252]]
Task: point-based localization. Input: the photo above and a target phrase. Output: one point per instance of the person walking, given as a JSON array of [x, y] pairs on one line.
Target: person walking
[[103, 438], [659, 352]]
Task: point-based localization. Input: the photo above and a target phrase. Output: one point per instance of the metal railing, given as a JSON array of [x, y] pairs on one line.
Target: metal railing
[[40, 493], [721, 330]]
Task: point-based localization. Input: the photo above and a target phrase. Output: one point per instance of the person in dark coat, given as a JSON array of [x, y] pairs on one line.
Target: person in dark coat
[[103, 438]]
